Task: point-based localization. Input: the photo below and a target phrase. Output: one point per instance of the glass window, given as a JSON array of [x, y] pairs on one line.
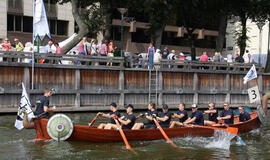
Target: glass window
[[27, 24], [18, 23], [52, 24], [10, 22], [62, 28]]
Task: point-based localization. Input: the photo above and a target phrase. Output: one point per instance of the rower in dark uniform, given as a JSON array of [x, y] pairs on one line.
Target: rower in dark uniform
[[181, 114], [227, 115], [150, 124], [196, 116], [243, 116], [212, 115], [127, 121], [43, 103], [164, 117], [114, 112]]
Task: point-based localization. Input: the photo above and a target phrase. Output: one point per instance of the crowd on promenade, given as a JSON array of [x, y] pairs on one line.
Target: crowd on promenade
[[151, 59]]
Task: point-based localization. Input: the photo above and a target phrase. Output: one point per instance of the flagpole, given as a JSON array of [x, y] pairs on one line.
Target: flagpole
[[33, 51]]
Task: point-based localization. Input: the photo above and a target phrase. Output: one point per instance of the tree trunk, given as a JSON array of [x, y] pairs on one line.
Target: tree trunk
[[243, 38], [83, 28], [158, 37], [221, 32]]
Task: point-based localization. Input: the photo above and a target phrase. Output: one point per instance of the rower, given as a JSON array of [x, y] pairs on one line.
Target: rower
[[196, 116], [150, 124], [127, 121], [243, 116], [164, 117], [212, 115], [114, 112], [181, 114], [227, 115], [43, 102]]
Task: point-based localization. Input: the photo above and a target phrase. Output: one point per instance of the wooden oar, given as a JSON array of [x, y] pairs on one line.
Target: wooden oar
[[93, 121], [165, 135], [123, 136]]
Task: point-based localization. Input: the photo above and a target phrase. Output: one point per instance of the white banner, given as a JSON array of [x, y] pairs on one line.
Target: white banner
[[254, 94], [24, 107], [252, 73]]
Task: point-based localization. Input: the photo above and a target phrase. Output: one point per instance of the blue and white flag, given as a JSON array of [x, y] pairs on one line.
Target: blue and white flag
[[252, 73], [40, 22], [24, 107]]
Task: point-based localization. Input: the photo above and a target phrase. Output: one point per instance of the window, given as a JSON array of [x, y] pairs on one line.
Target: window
[[52, 24], [27, 24], [18, 23], [14, 22], [62, 28], [140, 36], [10, 22]]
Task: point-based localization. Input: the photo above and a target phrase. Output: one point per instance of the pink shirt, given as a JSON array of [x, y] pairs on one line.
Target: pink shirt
[[58, 50], [204, 58]]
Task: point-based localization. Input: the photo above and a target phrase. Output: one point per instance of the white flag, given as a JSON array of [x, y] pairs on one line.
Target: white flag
[[24, 107], [40, 22], [252, 73]]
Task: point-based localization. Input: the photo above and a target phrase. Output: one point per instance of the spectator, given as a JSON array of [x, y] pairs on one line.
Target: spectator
[[165, 52], [6, 46], [217, 57], [28, 48], [247, 57], [18, 45], [204, 57], [83, 47], [150, 55], [111, 49], [93, 47], [229, 58], [239, 59], [48, 47], [182, 57], [171, 56], [140, 62], [103, 48], [58, 48], [157, 59]]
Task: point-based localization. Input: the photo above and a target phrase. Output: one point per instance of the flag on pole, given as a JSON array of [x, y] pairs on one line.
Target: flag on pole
[[24, 107], [40, 22], [252, 73]]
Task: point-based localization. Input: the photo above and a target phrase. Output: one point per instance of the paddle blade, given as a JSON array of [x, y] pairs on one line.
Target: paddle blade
[[232, 130]]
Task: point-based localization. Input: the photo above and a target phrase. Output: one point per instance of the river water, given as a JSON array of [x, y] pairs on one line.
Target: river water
[[21, 145]]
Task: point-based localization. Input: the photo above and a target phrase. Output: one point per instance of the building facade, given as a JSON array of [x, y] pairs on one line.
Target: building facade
[[17, 20]]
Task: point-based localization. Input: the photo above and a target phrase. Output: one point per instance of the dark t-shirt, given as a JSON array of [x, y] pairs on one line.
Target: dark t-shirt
[[225, 113], [165, 124], [183, 119], [150, 113], [165, 53], [41, 102], [115, 113], [199, 117], [130, 117], [244, 117], [213, 116]]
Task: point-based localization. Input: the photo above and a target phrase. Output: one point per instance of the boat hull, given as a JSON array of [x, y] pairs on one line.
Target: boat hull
[[92, 134]]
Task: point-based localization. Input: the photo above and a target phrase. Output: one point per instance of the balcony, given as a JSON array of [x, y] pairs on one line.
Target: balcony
[[51, 10], [15, 6]]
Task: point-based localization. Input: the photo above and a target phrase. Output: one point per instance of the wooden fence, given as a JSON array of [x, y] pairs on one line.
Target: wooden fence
[[86, 83]]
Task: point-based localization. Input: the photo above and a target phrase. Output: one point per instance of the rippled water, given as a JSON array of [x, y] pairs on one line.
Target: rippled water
[[21, 145]]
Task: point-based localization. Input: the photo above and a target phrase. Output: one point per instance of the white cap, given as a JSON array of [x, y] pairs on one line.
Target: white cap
[[182, 54], [194, 106]]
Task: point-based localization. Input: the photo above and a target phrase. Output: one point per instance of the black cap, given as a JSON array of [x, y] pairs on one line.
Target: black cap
[[165, 106], [129, 105], [113, 104]]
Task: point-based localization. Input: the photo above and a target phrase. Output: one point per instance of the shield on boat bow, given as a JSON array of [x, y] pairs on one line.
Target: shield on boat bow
[[59, 127]]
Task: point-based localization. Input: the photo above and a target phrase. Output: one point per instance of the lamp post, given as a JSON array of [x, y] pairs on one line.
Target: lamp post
[[122, 11], [260, 25]]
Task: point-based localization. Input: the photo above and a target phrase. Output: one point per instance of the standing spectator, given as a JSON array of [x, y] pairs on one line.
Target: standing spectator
[[204, 57], [165, 52], [247, 57], [48, 47], [239, 58], [111, 49], [171, 56], [150, 55], [83, 47], [93, 47], [58, 48], [157, 59], [18, 45], [103, 48], [182, 57], [28, 48], [229, 58], [6, 46]]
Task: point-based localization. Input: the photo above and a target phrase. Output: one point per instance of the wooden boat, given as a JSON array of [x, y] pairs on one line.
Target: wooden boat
[[92, 134]]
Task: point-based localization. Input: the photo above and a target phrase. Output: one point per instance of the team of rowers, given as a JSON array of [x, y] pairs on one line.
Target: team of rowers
[[165, 117]]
